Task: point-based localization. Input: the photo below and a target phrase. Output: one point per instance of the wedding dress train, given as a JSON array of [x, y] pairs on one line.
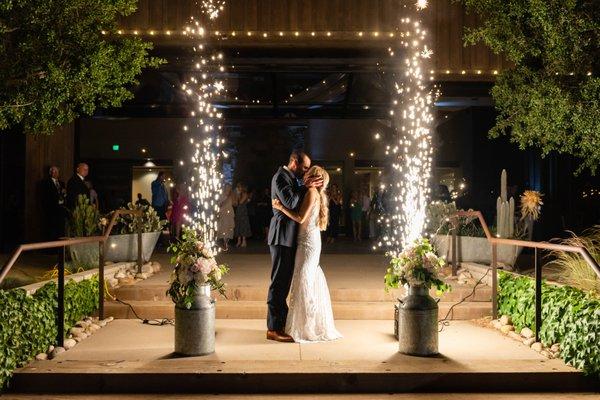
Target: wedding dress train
[[310, 317]]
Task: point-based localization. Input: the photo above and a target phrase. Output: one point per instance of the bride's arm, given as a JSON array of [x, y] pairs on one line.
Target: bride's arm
[[301, 215]]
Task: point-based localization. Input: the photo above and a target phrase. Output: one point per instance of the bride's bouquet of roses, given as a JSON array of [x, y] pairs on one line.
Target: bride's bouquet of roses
[[417, 265], [195, 265]]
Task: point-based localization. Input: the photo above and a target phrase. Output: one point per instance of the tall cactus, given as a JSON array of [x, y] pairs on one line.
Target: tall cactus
[[505, 211]]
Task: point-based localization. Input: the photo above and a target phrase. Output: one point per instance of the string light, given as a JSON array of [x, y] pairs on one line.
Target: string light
[[410, 149]]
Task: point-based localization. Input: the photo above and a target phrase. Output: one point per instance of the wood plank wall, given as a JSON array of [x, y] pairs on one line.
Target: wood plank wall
[[446, 20], [42, 152]]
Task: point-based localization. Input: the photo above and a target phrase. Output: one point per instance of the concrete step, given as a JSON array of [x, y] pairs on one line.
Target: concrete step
[[157, 292], [232, 309]]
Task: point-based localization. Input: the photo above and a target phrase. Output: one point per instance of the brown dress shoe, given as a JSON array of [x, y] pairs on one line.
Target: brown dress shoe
[[279, 336]]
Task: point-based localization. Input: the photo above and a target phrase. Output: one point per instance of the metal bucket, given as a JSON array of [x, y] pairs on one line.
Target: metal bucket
[[195, 327], [417, 323]]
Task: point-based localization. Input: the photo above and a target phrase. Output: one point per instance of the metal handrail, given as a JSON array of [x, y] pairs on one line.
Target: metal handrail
[[101, 240], [495, 241]]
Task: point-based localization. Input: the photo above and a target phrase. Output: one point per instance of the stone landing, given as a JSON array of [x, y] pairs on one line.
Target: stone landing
[[130, 357]]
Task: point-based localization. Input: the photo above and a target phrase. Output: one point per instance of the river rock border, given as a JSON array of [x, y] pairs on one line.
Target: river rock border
[[526, 337], [79, 332]]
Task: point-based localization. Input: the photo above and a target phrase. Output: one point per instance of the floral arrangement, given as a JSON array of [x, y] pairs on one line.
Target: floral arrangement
[[416, 265], [531, 204], [195, 265]]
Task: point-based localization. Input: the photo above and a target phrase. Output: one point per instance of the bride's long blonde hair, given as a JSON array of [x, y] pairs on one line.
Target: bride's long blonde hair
[[319, 172]]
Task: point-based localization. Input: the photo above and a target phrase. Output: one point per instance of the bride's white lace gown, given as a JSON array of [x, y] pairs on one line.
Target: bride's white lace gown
[[310, 317]]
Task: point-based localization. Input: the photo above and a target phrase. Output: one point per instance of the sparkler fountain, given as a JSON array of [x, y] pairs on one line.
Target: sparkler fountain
[[205, 178], [410, 149]]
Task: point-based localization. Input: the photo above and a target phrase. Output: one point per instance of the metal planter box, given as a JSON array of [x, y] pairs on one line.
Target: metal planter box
[[475, 249], [125, 247]]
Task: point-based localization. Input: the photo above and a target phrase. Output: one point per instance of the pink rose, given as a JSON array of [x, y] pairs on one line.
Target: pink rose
[[206, 266]]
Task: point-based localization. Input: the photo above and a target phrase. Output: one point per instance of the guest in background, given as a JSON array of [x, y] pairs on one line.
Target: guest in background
[[76, 185], [226, 223], [179, 209], [366, 209], [242, 229], [335, 212], [356, 215], [160, 198], [53, 203], [141, 201], [264, 212]]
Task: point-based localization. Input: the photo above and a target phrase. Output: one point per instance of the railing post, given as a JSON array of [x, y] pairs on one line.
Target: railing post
[[538, 295], [454, 246], [140, 260], [101, 246], [494, 281], [60, 336]]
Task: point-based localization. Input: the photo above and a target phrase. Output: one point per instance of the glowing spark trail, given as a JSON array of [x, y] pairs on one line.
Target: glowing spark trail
[[205, 181], [411, 150]]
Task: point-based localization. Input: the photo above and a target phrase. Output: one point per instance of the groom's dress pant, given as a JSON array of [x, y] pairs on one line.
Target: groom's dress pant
[[281, 280]]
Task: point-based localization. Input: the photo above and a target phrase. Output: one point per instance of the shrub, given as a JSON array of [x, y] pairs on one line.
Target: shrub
[[570, 317], [28, 324]]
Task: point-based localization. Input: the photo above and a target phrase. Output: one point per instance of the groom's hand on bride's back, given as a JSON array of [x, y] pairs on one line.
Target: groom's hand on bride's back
[[313, 182]]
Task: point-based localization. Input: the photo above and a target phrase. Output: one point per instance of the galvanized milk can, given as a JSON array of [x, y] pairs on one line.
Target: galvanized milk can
[[417, 323], [195, 328]]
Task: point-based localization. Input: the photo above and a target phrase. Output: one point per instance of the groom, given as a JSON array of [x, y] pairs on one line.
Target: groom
[[286, 187]]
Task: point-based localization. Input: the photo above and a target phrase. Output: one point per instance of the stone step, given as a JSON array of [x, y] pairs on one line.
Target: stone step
[[483, 293], [231, 309]]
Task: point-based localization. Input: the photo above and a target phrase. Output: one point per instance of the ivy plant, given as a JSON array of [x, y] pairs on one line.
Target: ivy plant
[[570, 317], [28, 324]]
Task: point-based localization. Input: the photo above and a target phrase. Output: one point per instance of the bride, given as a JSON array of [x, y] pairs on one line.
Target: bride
[[310, 317]]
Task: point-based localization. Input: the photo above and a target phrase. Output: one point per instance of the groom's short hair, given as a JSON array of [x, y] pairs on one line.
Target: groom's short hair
[[298, 156]]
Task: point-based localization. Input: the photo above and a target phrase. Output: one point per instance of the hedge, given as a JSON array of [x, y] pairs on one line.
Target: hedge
[[570, 317], [28, 323]]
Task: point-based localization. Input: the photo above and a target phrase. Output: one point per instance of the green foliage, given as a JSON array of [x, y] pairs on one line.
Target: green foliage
[[28, 323], [149, 221], [570, 317], [55, 63], [571, 268], [551, 98], [85, 219]]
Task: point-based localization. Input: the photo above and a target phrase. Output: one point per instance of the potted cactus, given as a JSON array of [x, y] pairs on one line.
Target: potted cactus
[[473, 246]]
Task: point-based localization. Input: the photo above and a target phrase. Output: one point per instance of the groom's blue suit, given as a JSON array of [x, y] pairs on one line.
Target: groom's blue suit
[[282, 244]]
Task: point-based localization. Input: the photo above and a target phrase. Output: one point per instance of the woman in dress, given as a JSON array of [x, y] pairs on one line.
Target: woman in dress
[[335, 211], [356, 214], [226, 222], [310, 316], [178, 210], [242, 221]]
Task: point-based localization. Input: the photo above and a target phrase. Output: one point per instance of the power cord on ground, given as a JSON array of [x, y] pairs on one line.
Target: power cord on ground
[[444, 322], [153, 322]]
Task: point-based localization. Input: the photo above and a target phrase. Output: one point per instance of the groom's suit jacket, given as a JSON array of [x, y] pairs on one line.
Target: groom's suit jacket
[[285, 187]]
